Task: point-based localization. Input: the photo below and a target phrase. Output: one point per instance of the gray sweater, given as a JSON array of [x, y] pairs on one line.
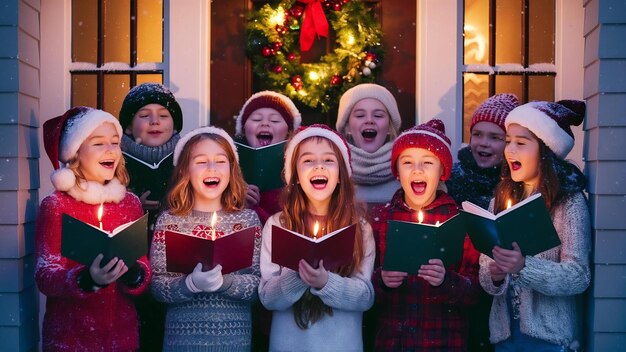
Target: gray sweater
[[218, 321], [548, 283], [349, 297]]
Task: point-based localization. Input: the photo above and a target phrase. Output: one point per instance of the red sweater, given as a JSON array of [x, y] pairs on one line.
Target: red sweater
[[416, 315], [76, 320]]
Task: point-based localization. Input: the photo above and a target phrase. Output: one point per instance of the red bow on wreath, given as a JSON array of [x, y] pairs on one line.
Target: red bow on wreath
[[314, 22]]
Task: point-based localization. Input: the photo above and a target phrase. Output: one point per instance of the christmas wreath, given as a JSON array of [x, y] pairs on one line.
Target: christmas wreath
[[277, 34]]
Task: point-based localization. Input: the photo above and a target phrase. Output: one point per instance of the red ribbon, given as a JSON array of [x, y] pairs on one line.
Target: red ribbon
[[314, 23]]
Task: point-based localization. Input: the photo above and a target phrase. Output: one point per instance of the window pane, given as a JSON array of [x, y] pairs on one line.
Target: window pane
[[115, 88], [143, 78], [541, 88], [476, 32], [117, 31], [475, 91], [509, 26], [541, 31], [149, 31], [85, 31], [84, 90], [510, 84]]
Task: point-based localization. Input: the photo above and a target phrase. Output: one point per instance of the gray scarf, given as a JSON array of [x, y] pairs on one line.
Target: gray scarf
[[151, 155], [371, 168]]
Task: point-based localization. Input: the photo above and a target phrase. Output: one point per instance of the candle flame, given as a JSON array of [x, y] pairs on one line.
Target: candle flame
[[213, 221], [437, 223], [315, 229], [420, 217], [508, 204]]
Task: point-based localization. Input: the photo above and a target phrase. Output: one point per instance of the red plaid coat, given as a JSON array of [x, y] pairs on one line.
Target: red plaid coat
[[417, 316]]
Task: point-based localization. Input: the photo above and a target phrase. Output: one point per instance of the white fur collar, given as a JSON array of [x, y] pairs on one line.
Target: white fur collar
[[95, 193]]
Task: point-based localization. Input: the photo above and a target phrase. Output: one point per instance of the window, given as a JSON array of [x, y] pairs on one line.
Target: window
[[508, 48], [116, 44]]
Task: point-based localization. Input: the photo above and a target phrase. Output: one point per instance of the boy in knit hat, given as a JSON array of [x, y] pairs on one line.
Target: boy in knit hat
[[423, 311], [474, 178], [151, 119], [266, 118], [369, 119]]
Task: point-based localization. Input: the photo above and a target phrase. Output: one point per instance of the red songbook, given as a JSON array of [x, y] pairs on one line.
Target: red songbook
[[234, 251], [336, 248]]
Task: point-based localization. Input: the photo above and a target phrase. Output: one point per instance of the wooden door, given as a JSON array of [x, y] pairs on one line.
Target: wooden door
[[232, 82]]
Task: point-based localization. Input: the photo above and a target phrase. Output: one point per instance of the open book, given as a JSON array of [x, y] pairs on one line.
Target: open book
[[262, 166], [335, 249], [82, 242], [528, 223], [233, 251], [409, 245]]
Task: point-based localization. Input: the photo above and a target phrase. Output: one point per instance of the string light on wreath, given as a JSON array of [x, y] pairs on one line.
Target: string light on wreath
[[278, 33]]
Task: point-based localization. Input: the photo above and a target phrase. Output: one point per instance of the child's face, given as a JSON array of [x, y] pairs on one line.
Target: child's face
[[487, 144], [522, 155], [419, 171], [100, 154], [209, 174], [318, 172], [265, 126], [368, 124], [152, 125]]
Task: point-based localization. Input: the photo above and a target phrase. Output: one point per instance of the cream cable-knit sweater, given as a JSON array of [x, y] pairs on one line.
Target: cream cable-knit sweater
[[349, 297], [548, 283]]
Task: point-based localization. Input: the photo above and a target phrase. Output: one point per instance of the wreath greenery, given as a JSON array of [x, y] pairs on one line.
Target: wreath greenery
[[273, 46]]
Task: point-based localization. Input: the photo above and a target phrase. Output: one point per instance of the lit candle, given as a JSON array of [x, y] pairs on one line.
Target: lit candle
[[213, 221], [315, 229], [508, 204], [437, 223], [100, 215], [420, 217]]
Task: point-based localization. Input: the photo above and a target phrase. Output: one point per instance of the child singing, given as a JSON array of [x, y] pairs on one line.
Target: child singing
[[88, 308], [314, 309], [534, 306], [426, 311], [206, 311]]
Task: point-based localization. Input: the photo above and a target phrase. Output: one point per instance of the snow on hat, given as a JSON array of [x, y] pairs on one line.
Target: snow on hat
[[431, 136], [208, 130], [317, 130], [550, 122], [495, 109], [63, 136], [268, 99], [150, 93], [364, 91]]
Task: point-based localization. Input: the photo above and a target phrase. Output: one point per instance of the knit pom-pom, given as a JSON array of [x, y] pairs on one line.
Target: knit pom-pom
[[63, 179]]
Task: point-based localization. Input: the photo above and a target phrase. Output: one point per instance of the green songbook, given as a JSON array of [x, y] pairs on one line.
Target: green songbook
[[409, 245], [82, 242], [262, 166], [528, 223]]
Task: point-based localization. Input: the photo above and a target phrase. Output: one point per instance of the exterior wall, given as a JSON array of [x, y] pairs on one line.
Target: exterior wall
[[605, 156], [19, 171]]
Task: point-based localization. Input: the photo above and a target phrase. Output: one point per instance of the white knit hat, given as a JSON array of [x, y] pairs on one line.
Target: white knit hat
[[316, 130], [208, 130], [269, 99], [364, 91]]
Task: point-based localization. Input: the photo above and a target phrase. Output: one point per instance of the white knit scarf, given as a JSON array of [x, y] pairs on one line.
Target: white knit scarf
[[371, 168]]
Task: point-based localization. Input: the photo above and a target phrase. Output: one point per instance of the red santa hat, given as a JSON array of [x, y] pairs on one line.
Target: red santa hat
[[63, 136], [203, 130], [550, 122], [268, 99], [431, 136], [316, 130], [495, 109]]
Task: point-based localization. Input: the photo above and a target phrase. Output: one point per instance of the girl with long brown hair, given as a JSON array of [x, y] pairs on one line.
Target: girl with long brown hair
[[312, 307]]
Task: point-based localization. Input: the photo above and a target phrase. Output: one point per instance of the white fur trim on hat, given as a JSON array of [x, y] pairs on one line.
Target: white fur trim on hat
[[543, 126], [291, 107], [78, 130], [315, 132], [364, 91], [208, 130]]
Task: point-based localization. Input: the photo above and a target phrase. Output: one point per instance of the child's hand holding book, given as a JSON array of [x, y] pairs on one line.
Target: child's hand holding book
[[316, 278], [109, 273], [205, 281]]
